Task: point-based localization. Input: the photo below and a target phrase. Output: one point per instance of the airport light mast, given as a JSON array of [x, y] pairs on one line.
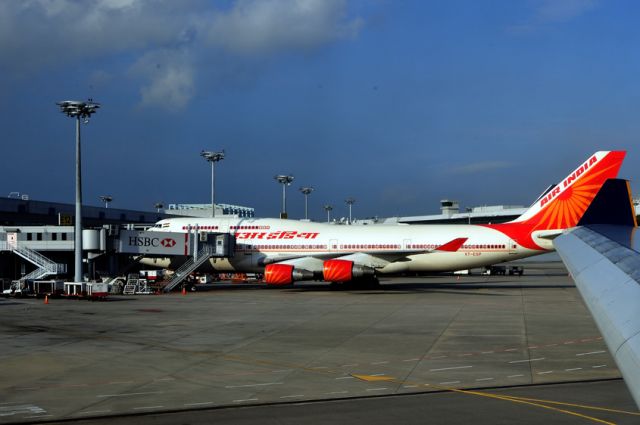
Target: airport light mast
[[212, 157], [350, 201], [158, 206], [328, 209], [285, 180], [306, 191], [106, 199], [78, 110]]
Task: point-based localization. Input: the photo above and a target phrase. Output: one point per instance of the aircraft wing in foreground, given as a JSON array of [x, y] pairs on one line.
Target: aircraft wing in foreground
[[603, 256]]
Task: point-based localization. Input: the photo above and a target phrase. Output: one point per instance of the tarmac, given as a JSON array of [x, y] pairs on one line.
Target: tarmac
[[418, 349]]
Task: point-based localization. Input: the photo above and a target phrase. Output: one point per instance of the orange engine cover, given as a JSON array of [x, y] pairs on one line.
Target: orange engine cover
[[337, 270], [278, 274]]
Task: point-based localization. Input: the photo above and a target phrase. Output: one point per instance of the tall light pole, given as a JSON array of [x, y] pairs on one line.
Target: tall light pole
[[213, 157], [78, 110], [328, 209], [158, 206], [350, 202], [106, 199], [306, 191], [285, 180]]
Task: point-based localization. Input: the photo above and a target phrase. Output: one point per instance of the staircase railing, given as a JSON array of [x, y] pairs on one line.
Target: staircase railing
[[189, 267], [46, 267]]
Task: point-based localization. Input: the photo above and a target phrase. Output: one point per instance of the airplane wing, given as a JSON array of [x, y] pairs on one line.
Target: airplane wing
[[340, 266], [605, 264], [376, 259], [604, 260]]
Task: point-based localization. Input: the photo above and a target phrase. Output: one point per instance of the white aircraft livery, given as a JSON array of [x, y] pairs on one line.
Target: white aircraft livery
[[289, 250]]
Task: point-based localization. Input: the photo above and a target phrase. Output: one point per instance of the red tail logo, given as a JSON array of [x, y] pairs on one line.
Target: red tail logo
[[564, 205], [568, 180]]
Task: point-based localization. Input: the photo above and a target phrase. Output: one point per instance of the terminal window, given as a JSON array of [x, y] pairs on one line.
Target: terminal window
[[54, 236], [29, 236], [39, 236], [63, 236]]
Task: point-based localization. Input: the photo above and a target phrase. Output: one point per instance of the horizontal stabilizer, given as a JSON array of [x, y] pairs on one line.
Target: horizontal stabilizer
[[612, 205], [452, 246]]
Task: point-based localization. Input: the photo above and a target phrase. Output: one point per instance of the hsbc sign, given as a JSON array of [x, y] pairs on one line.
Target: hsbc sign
[[154, 243]]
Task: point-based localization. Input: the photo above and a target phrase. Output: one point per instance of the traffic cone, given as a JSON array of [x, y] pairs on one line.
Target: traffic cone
[[184, 291], [46, 299]]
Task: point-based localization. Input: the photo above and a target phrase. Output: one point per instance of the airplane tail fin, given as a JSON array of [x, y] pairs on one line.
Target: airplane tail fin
[[563, 206]]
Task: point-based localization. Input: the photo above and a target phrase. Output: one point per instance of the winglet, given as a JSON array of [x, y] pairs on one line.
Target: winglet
[[452, 246], [612, 205]]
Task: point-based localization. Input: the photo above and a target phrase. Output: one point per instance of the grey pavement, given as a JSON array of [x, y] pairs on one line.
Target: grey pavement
[[575, 403], [242, 345]]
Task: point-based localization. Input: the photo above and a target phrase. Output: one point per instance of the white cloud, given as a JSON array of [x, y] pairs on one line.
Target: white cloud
[[37, 34], [137, 35], [562, 10], [170, 79], [266, 26], [546, 12]]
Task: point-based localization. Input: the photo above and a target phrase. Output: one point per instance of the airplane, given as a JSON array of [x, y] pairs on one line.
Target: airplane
[[287, 250]]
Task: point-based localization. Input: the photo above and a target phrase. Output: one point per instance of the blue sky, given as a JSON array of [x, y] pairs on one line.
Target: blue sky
[[395, 103]]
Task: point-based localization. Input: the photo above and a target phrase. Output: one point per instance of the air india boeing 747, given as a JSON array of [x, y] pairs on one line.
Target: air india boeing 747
[[289, 250]]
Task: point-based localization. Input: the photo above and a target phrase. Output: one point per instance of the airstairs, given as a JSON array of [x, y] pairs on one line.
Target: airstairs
[[46, 267], [189, 267]]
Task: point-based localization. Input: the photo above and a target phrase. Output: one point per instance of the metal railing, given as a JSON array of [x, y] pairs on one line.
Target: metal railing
[[46, 267], [189, 267]]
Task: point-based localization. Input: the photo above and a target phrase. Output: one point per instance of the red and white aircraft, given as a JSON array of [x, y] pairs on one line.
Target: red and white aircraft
[[290, 250]]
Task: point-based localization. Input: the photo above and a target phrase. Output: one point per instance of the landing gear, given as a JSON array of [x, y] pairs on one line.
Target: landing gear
[[370, 283]]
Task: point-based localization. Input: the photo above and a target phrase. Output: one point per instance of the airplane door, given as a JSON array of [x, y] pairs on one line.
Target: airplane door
[[512, 246], [12, 240], [406, 244], [333, 245]]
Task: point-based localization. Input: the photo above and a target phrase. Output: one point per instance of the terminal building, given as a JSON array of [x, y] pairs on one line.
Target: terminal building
[[204, 210], [37, 237], [22, 211], [451, 214]]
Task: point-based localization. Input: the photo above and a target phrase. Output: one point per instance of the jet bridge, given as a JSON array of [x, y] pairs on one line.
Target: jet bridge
[[109, 241], [199, 246], [218, 245]]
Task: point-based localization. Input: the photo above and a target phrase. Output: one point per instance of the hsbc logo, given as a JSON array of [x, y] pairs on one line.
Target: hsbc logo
[[168, 243], [155, 242]]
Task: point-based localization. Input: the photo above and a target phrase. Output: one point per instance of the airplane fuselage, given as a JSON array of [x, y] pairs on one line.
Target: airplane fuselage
[[390, 249]]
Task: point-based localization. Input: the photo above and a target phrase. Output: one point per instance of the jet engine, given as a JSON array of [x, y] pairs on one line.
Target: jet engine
[[344, 270], [284, 274]]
